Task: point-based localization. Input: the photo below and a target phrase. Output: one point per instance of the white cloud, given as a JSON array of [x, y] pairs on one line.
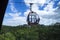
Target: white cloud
[[13, 9], [35, 1], [15, 14], [26, 13], [49, 7], [59, 3], [15, 20], [46, 21]]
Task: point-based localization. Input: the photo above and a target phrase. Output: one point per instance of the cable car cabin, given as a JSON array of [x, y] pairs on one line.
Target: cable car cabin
[[33, 18]]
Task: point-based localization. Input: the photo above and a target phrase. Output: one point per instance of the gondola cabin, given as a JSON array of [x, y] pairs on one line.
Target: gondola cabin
[[32, 18]]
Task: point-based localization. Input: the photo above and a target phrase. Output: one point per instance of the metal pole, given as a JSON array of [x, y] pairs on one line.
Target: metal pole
[[31, 6]]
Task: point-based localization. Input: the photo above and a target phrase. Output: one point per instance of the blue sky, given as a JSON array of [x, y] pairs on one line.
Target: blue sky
[[17, 11]]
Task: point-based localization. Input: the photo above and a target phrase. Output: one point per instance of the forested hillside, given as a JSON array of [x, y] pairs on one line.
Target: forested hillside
[[35, 32]]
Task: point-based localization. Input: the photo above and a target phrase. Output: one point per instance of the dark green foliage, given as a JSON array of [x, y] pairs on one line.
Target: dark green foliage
[[35, 32]]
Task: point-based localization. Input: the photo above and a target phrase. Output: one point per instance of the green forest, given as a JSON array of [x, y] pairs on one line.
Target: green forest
[[33, 32]]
